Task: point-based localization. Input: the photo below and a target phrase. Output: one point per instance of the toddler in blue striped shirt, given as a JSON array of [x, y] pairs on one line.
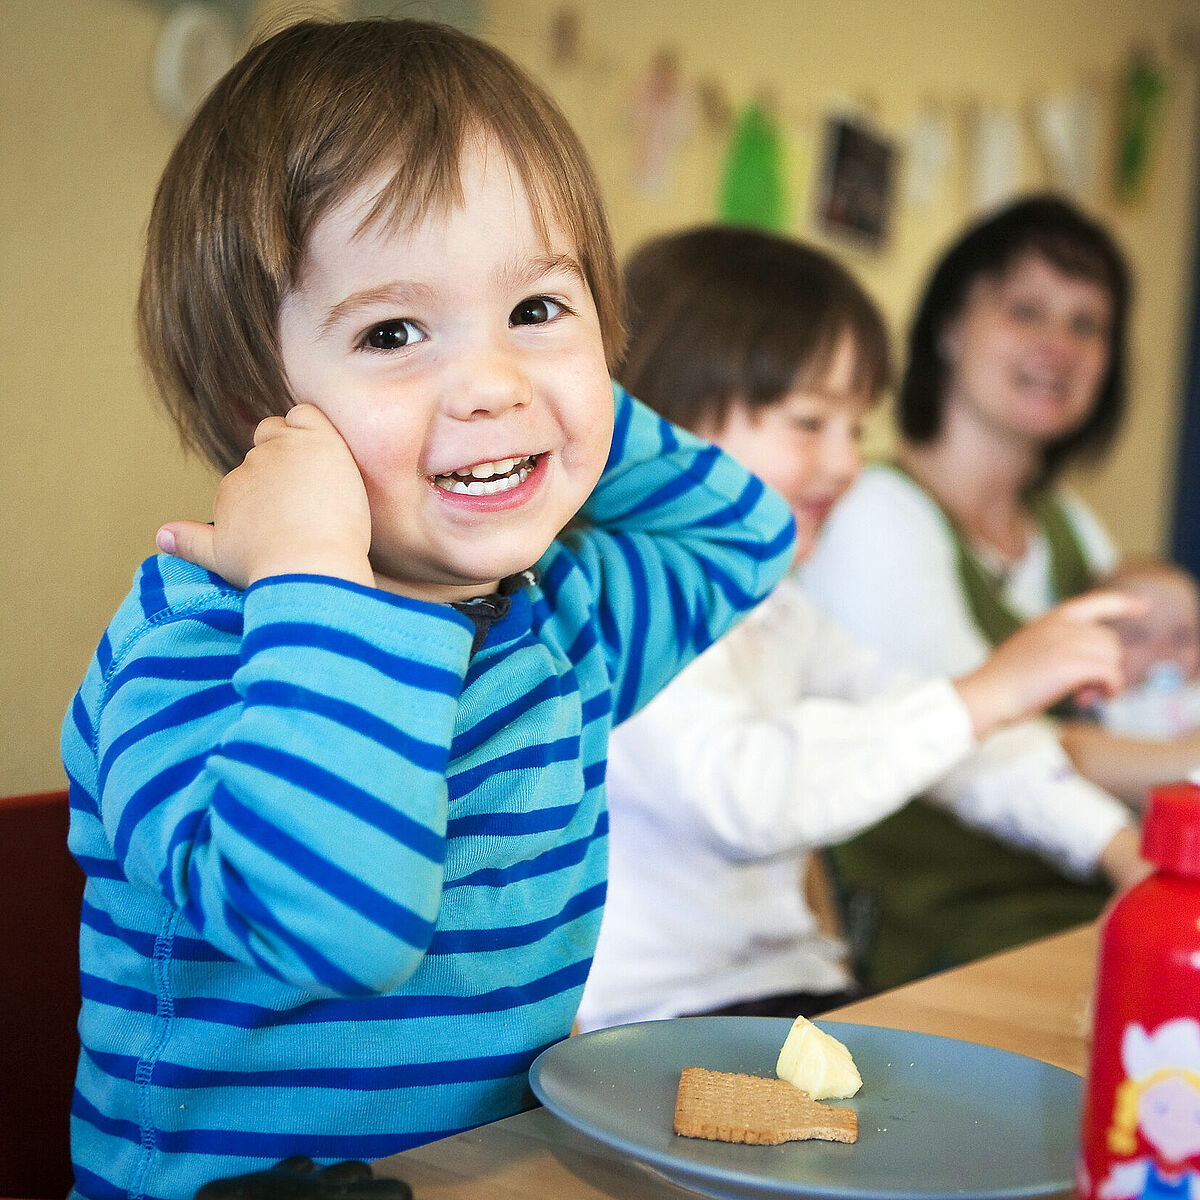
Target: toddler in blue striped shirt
[[337, 766]]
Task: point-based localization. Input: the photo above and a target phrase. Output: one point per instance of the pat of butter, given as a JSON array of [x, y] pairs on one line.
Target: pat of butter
[[817, 1063]]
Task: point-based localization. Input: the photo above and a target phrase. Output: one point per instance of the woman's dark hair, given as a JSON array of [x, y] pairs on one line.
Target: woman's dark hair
[[719, 314], [1073, 243]]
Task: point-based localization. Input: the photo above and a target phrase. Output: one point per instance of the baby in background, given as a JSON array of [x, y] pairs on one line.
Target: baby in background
[[1160, 652]]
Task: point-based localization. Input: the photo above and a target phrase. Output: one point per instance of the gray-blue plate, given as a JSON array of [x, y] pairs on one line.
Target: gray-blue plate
[[937, 1118]]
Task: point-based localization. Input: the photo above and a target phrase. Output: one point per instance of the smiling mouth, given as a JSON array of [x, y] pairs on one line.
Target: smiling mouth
[[485, 479]]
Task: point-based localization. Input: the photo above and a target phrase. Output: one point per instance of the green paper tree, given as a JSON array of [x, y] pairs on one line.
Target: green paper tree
[[752, 190]]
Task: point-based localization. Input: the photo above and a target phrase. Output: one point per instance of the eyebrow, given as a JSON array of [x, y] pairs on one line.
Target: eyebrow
[[402, 292], [397, 292]]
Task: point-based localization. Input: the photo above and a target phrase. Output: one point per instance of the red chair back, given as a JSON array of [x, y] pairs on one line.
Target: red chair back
[[41, 887]]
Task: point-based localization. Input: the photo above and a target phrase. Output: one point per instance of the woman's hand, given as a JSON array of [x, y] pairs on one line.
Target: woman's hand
[[296, 505]]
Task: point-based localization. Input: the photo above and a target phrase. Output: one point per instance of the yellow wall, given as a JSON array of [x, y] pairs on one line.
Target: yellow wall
[[89, 466]]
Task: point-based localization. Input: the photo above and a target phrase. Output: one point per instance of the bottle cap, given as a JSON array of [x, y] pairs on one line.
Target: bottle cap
[[1171, 829]]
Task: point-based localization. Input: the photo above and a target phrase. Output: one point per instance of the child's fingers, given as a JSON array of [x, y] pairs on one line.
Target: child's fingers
[[189, 540], [1104, 605], [270, 427], [307, 416]]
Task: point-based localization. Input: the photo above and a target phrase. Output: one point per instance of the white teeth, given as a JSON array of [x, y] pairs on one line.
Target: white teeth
[[501, 466], [486, 479]]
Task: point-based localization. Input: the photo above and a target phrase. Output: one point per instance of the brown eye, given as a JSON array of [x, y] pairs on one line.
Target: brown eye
[[536, 310], [392, 335]]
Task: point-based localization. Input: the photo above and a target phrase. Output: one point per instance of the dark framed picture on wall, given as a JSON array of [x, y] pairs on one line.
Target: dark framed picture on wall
[[857, 182]]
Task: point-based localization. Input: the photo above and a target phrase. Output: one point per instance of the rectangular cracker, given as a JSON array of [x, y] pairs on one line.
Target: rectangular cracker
[[761, 1112]]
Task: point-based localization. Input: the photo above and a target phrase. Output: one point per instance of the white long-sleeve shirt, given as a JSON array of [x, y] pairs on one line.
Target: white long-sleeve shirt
[[785, 736]]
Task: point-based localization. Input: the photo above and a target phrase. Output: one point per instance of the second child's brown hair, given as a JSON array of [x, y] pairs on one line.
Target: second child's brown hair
[[297, 125], [721, 315]]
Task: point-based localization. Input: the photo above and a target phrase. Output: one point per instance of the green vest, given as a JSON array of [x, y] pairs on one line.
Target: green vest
[[920, 891]]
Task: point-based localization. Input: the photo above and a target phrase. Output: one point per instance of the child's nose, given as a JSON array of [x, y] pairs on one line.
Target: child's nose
[[843, 458], [489, 381]]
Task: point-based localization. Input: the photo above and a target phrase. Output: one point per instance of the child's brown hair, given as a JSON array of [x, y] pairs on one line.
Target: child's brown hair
[[721, 315], [298, 124]]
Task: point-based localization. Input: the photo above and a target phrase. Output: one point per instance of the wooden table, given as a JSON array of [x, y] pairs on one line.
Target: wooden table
[[1033, 1000]]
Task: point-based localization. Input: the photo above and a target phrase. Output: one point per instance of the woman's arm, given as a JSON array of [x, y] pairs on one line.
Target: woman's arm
[[1128, 767]]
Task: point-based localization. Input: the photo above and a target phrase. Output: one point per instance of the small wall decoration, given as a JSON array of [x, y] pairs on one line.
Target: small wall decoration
[[856, 193], [927, 156], [752, 188], [996, 138], [1067, 126], [662, 115], [1140, 98]]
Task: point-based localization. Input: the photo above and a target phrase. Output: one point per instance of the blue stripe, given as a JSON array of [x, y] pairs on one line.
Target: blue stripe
[[118, 995], [83, 723], [598, 708], [367, 806], [294, 635], [497, 824], [191, 834], [527, 758], [585, 642], [481, 941], [151, 592], [250, 917], [94, 1188], [243, 1014], [469, 740], [634, 656], [183, 948], [80, 800], [163, 666], [229, 621], [341, 885], [566, 854], [164, 786], [393, 1076], [429, 756], [622, 419], [192, 707], [104, 653], [100, 868]]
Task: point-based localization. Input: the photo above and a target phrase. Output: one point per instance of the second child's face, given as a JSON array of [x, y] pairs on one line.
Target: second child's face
[[806, 446], [461, 360]]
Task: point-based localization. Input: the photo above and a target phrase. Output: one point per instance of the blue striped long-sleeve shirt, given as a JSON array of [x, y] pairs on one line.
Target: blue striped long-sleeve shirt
[[345, 876]]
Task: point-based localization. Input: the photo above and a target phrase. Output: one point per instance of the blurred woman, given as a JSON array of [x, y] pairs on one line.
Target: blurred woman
[[1015, 368]]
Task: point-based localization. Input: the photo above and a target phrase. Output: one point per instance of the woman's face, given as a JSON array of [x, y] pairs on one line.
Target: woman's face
[[1029, 351]]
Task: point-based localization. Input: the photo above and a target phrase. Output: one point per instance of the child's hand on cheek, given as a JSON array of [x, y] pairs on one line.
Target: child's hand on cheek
[[296, 505]]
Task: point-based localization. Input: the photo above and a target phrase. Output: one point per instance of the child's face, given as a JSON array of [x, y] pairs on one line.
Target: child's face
[[461, 361], [806, 446], [1168, 631]]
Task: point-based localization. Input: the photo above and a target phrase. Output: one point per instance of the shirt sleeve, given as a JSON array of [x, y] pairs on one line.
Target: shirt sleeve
[[283, 783], [1020, 787], [678, 542], [785, 736]]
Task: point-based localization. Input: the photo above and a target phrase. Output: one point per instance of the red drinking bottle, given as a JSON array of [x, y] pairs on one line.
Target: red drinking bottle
[[1141, 1107]]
